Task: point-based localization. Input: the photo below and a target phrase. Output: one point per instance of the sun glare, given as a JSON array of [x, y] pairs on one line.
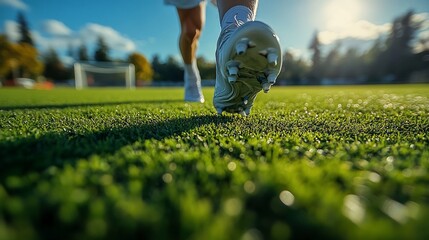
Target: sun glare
[[340, 14]]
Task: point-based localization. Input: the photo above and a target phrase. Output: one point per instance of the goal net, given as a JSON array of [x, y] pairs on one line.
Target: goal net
[[104, 74]]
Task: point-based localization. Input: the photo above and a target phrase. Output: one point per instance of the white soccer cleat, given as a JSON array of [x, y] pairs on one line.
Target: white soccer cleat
[[248, 60]]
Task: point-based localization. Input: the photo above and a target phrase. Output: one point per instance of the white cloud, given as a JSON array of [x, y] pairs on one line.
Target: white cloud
[[57, 42], [113, 38], [56, 28], [12, 30], [67, 60], [362, 29], [425, 34], [295, 52], [14, 3], [361, 33], [59, 36], [423, 42], [327, 37], [423, 19]]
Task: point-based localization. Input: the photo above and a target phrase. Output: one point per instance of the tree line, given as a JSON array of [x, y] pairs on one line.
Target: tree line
[[390, 59]]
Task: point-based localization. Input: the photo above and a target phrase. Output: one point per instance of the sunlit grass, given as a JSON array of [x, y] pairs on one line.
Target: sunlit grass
[[309, 162]]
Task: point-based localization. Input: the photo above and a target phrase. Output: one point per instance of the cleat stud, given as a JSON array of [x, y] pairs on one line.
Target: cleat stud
[[241, 47], [246, 100], [251, 44], [263, 52], [266, 87], [247, 111], [272, 78], [219, 111], [272, 59], [233, 70], [242, 113], [232, 78]]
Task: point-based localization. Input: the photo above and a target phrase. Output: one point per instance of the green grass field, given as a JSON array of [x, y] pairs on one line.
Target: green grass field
[[348, 162]]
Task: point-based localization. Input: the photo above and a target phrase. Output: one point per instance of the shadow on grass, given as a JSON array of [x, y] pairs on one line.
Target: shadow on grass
[[21, 156], [73, 105]]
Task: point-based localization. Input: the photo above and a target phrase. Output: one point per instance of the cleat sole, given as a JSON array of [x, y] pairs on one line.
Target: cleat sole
[[256, 51], [249, 61]]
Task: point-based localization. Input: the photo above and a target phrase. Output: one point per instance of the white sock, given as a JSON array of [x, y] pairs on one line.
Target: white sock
[[192, 75], [237, 15]]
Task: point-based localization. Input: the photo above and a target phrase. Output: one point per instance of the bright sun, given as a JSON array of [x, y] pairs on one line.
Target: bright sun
[[339, 14]]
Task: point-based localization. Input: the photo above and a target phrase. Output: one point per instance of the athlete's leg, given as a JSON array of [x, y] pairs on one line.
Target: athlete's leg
[[224, 6], [191, 22]]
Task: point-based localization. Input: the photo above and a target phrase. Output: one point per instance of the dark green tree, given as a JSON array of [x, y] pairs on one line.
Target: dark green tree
[[374, 61], [24, 30], [169, 70], [101, 53], [399, 57], [207, 69], [331, 62], [422, 57], [316, 69], [156, 66], [350, 65], [293, 71], [54, 68], [83, 53]]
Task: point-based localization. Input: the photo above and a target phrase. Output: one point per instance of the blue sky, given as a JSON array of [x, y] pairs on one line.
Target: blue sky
[[150, 27]]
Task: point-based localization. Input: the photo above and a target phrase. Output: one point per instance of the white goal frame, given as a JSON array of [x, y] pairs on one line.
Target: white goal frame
[[80, 69]]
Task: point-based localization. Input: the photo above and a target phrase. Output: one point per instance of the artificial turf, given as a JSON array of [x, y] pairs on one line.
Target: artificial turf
[[347, 162]]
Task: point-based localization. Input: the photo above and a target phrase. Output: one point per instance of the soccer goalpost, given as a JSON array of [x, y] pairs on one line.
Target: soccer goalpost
[[104, 74]]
